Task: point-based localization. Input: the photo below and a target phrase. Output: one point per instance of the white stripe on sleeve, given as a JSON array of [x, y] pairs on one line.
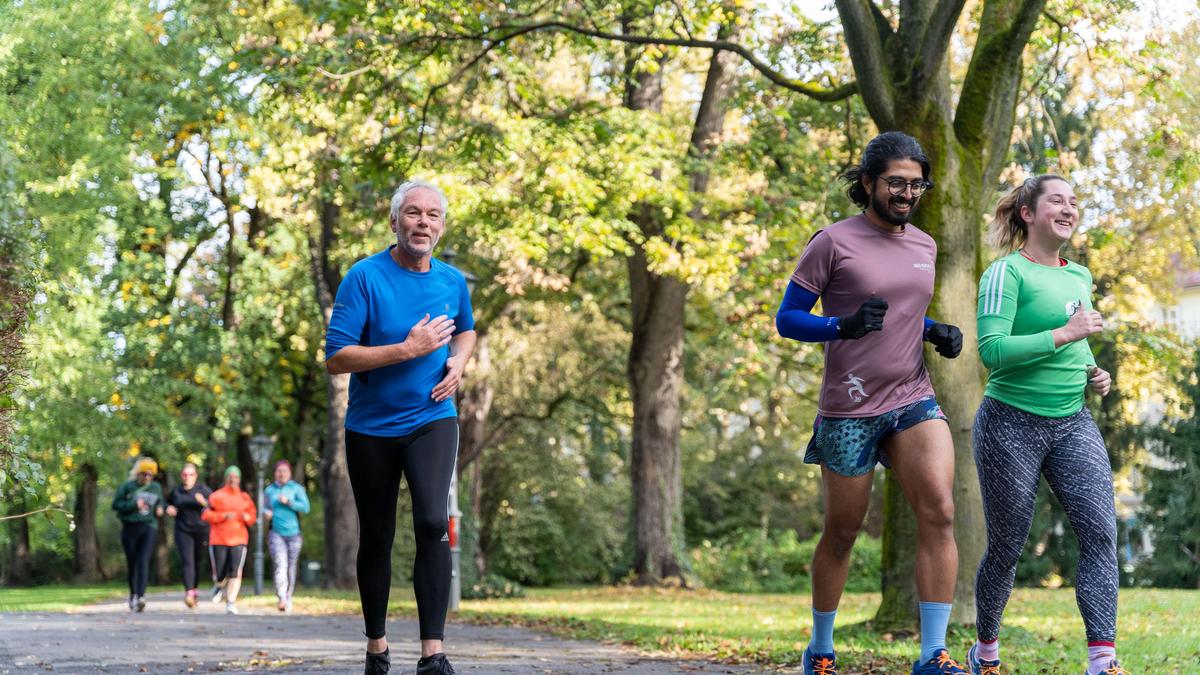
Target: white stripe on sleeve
[[995, 298]]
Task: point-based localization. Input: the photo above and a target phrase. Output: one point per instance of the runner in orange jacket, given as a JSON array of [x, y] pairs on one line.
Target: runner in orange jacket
[[230, 513]]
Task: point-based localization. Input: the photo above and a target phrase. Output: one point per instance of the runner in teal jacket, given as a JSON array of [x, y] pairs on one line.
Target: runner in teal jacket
[[284, 501]]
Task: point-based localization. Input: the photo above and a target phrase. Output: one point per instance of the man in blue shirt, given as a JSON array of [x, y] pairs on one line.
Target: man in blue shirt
[[402, 325], [285, 501]]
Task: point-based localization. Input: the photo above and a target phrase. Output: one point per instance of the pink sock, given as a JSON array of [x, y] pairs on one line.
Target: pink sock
[[1100, 654], [987, 651]]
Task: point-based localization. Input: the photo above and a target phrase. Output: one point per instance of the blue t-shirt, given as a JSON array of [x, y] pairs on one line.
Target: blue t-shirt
[[378, 303]]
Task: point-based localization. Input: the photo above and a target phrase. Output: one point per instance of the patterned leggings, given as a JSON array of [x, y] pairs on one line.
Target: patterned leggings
[[285, 555], [1013, 449]]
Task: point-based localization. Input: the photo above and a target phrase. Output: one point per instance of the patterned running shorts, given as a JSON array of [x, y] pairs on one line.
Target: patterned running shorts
[[850, 446]]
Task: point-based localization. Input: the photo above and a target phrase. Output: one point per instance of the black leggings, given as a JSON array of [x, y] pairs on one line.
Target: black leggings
[[227, 561], [427, 457], [138, 541], [192, 546]]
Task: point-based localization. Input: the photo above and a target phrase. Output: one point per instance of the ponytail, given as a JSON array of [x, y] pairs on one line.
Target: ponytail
[[1007, 230]]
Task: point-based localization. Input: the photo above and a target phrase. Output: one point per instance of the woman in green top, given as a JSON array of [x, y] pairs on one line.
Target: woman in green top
[[138, 504], [1034, 317]]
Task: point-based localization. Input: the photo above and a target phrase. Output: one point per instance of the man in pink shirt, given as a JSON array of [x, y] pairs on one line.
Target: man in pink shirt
[[874, 273]]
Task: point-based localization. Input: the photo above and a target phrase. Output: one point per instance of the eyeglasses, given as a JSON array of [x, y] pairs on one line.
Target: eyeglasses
[[896, 186]]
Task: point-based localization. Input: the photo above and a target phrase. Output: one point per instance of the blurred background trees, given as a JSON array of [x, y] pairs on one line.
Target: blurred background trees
[[182, 185]]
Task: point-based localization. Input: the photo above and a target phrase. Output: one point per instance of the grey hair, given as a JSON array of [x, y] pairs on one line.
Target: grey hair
[[406, 187]]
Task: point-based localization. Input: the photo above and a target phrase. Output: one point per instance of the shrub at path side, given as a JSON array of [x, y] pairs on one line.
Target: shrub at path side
[[761, 562]]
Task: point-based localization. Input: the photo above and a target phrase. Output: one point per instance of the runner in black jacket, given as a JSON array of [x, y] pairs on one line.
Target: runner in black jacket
[[185, 503]]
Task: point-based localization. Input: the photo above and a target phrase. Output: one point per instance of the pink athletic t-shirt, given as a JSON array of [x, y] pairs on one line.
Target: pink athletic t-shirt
[[845, 264]]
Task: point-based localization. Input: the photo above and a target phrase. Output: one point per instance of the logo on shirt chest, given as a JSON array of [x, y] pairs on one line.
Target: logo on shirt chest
[[855, 391], [924, 267], [1073, 306]]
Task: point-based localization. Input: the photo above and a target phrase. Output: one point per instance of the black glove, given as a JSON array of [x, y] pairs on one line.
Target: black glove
[[868, 318], [945, 338]]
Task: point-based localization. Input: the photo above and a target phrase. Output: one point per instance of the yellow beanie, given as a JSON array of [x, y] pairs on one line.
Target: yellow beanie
[[146, 464]]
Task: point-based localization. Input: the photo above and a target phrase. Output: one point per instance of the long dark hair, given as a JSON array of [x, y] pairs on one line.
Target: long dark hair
[[882, 149]]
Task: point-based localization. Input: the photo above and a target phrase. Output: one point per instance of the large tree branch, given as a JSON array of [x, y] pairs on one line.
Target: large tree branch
[[507, 33], [177, 270], [710, 119], [865, 40], [935, 40], [502, 428], [983, 120]]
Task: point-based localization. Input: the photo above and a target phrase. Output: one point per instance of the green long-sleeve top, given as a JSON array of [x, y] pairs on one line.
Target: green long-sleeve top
[[1020, 303], [125, 502]]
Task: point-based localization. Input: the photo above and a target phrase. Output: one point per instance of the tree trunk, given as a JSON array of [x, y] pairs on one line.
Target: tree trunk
[[19, 565], [475, 404], [243, 457], [87, 541], [474, 407], [655, 366], [479, 555], [304, 392], [952, 214], [341, 519], [655, 372]]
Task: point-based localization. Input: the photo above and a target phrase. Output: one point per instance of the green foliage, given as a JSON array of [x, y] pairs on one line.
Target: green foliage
[[164, 170], [1172, 502], [555, 525], [17, 283], [760, 562]]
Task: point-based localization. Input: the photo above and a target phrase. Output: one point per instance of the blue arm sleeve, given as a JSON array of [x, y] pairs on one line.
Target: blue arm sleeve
[[796, 321], [925, 331]]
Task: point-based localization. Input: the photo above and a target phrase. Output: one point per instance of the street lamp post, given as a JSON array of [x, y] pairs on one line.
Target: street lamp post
[[260, 452], [454, 513]]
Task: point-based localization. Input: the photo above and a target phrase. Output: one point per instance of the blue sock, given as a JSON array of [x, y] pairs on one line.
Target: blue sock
[[935, 616], [822, 633]]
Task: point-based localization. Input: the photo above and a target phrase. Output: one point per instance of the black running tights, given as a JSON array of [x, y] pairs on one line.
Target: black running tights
[[192, 547], [426, 457], [138, 541]]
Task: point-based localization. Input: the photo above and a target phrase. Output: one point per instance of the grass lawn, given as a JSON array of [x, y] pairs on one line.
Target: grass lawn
[[58, 598], [1159, 630]]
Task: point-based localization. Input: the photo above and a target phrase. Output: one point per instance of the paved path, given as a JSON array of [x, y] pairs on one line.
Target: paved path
[[169, 638]]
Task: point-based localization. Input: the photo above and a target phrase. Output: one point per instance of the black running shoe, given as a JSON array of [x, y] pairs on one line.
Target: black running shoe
[[378, 664], [437, 664]]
